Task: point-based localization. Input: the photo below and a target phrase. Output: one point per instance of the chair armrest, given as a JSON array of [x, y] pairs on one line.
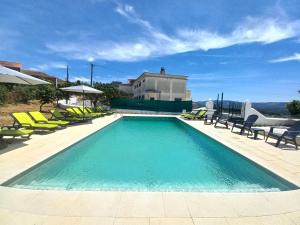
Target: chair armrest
[[245, 123], [40, 121], [271, 129], [26, 125]]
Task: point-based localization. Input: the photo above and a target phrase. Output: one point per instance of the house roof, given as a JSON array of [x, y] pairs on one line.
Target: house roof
[[41, 75], [149, 74], [11, 64]]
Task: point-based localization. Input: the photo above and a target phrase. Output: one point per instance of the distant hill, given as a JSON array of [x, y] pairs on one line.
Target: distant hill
[[267, 108], [271, 108]]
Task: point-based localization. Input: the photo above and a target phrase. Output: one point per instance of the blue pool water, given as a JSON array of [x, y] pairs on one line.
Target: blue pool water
[[150, 154]]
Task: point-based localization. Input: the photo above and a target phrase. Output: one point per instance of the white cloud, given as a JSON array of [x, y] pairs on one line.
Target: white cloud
[[155, 43], [295, 57], [50, 65]]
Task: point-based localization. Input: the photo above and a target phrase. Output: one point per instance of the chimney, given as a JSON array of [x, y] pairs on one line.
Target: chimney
[[162, 71]]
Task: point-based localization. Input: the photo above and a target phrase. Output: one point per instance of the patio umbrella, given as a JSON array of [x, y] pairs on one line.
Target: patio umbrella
[[11, 76], [82, 89]]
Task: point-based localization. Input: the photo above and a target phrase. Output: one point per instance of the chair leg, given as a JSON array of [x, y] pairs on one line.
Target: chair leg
[[278, 141], [216, 123], [242, 131], [296, 145], [267, 137], [232, 128]]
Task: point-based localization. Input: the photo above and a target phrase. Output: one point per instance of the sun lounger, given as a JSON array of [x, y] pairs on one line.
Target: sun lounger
[[288, 136], [81, 113], [40, 118], [60, 116], [24, 120], [209, 118], [199, 115], [89, 110], [86, 111], [101, 110], [222, 119], [188, 113], [12, 131], [75, 112], [245, 125]]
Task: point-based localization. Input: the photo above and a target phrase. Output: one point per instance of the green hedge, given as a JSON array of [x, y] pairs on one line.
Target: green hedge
[[3, 94], [151, 105]]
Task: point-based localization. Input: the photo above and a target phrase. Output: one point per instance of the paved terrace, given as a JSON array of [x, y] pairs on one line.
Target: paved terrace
[[22, 206]]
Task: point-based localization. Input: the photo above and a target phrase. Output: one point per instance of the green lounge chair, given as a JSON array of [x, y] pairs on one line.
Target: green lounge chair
[[25, 121], [199, 115], [59, 116], [89, 111], [78, 113], [86, 113], [100, 109], [188, 114], [40, 118], [83, 114], [12, 131]]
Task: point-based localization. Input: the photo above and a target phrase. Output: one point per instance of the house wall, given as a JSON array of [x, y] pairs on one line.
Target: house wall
[[125, 88], [167, 89]]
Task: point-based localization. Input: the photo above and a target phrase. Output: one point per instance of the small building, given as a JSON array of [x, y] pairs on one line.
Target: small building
[[158, 86]]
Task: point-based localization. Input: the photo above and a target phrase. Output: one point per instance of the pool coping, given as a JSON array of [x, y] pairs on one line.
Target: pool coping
[[189, 205]]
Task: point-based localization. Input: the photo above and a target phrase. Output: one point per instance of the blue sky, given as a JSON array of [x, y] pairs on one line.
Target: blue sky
[[247, 49]]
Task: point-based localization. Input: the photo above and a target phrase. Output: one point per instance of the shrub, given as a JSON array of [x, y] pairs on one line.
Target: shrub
[[3, 94], [294, 107], [46, 94], [23, 93]]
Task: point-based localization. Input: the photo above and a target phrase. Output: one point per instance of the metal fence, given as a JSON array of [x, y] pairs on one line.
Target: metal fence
[[151, 105]]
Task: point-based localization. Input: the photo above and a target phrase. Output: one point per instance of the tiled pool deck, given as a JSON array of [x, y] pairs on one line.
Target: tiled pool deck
[[21, 206]]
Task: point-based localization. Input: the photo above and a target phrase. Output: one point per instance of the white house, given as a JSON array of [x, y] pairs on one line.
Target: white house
[[158, 86]]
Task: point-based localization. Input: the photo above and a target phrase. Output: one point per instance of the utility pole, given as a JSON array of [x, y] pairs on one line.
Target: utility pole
[[92, 70], [67, 74], [67, 81], [222, 103]]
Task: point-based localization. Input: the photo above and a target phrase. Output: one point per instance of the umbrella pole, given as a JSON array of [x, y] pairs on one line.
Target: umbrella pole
[[83, 105]]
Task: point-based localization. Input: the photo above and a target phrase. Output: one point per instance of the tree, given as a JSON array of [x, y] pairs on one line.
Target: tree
[[110, 91], [24, 93], [46, 94], [3, 94], [294, 107]]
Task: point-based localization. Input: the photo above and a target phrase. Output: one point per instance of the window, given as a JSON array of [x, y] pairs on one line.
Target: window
[[177, 99], [152, 98]]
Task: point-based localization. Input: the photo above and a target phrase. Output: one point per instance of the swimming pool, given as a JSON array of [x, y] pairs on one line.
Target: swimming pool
[[150, 154]]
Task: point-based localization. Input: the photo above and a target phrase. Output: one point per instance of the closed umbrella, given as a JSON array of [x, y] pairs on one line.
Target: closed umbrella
[[82, 89], [11, 76]]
